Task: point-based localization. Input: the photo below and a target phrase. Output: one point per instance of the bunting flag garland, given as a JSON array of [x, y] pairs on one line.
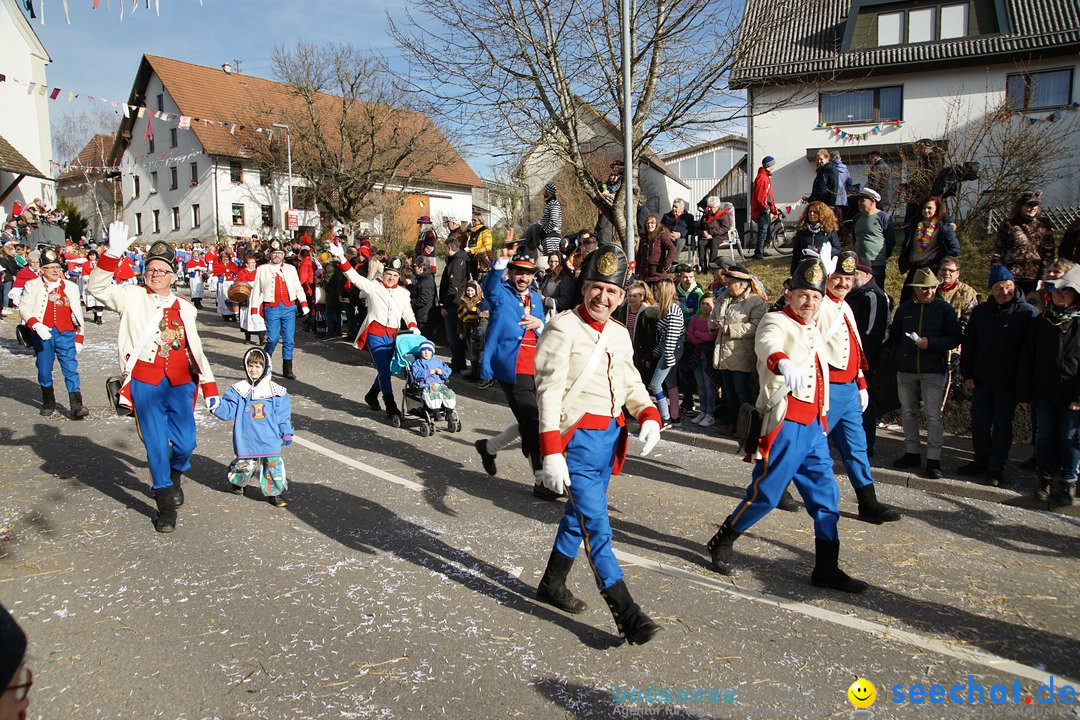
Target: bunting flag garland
[[1052, 117], [130, 163], [184, 122], [878, 129]]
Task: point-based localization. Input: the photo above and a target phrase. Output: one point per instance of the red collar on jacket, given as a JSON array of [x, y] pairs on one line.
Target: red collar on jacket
[[587, 318], [791, 314]]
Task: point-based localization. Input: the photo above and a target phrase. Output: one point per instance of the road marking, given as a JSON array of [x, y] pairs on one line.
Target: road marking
[[356, 464], [924, 642]]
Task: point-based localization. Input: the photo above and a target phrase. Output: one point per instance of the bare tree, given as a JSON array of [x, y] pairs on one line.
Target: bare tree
[[1013, 151], [354, 130], [83, 141], [519, 72]]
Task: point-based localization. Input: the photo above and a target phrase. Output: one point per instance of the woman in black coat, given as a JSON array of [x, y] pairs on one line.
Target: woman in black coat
[[816, 228]]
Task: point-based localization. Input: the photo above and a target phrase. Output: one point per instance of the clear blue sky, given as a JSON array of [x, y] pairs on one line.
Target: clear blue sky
[[98, 55]]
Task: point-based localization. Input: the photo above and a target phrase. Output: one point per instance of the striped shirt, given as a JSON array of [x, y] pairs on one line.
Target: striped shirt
[[668, 332], [551, 222]]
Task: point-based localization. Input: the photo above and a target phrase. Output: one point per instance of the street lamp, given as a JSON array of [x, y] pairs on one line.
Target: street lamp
[[288, 150]]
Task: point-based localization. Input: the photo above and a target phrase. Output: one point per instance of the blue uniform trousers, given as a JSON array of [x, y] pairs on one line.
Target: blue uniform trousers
[[381, 348], [847, 433], [280, 324], [800, 453], [165, 418], [60, 346], [590, 457]]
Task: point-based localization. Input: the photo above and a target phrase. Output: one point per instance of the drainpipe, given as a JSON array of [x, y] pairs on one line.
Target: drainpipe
[[216, 223]]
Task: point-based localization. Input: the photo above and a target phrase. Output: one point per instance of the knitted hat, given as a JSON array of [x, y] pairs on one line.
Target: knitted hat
[[999, 273], [426, 345], [12, 647], [768, 161], [862, 266], [550, 187]]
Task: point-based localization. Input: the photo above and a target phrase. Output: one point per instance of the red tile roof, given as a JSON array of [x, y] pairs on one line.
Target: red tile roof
[[13, 161], [205, 93], [96, 154]]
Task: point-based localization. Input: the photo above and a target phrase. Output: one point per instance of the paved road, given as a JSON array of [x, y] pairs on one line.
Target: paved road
[[399, 581]]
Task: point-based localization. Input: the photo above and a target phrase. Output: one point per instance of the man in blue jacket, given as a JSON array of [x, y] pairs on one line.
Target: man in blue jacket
[[517, 317], [989, 363]]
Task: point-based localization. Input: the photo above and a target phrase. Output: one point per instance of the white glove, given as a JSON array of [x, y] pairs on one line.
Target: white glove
[[119, 242], [864, 399], [554, 473], [78, 348], [827, 259], [794, 379], [414, 330], [337, 252], [212, 402], [649, 436], [304, 310], [43, 331]]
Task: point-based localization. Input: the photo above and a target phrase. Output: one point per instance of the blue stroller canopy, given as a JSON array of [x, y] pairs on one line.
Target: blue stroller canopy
[[406, 350]]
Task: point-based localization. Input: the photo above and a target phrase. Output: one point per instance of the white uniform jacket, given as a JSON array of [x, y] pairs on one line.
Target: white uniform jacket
[[140, 312], [835, 332], [562, 356], [386, 306], [262, 290], [35, 299], [780, 336]]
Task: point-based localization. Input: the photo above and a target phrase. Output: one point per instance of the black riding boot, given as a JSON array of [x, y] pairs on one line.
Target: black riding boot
[[721, 550], [262, 339], [826, 572], [372, 398], [48, 401], [286, 370], [391, 406], [175, 476], [78, 411], [247, 337], [166, 499], [552, 588], [870, 510], [633, 624], [198, 303]]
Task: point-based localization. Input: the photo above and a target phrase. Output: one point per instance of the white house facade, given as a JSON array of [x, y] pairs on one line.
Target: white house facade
[[191, 163], [858, 75], [703, 166], [25, 135]]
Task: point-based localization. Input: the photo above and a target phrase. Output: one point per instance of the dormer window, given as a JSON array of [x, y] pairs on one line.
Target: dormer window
[[923, 24]]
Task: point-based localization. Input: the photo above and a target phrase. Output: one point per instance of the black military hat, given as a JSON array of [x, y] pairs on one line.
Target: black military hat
[[606, 264], [396, 263], [809, 275], [275, 246], [523, 260], [164, 252], [846, 263], [49, 256]]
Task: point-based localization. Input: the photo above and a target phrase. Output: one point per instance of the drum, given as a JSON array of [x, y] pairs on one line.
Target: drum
[[239, 293]]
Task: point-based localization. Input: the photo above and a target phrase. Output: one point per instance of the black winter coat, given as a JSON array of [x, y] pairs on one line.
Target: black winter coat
[[937, 322], [993, 340], [826, 184], [422, 292], [870, 306], [807, 239], [452, 282], [1050, 362]]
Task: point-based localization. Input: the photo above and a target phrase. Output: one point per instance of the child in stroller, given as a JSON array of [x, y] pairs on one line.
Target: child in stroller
[[426, 392]]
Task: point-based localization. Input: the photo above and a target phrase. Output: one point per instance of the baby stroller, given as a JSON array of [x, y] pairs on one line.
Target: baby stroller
[[413, 400]]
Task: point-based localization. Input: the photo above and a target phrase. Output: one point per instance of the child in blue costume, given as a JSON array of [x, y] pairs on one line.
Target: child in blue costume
[[431, 374], [262, 423]]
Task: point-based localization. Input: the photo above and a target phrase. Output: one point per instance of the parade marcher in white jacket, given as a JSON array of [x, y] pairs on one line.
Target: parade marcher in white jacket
[[50, 307], [275, 294], [388, 304], [164, 365], [793, 401], [585, 375]]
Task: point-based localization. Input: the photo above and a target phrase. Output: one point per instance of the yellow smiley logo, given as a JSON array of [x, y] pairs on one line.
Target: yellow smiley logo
[[862, 693]]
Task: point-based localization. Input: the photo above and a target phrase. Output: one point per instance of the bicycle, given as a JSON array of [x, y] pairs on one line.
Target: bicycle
[[779, 237]]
